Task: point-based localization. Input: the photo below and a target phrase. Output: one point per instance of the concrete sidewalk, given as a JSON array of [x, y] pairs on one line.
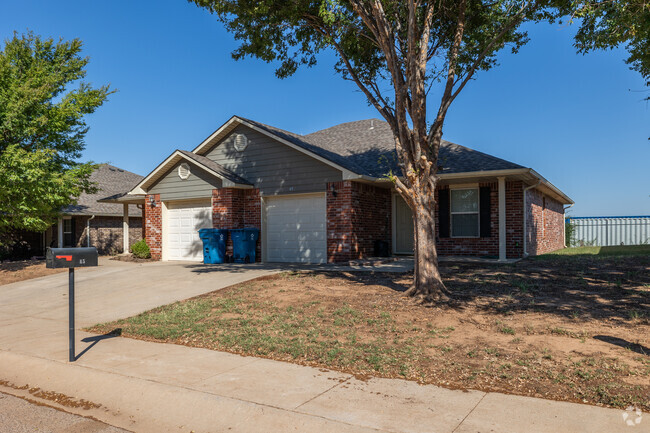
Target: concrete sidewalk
[[152, 387]]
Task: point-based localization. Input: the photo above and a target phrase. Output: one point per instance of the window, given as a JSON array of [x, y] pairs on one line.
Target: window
[[464, 213], [67, 232]]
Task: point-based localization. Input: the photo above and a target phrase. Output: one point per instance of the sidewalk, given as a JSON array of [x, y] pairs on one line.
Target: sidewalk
[[152, 387]]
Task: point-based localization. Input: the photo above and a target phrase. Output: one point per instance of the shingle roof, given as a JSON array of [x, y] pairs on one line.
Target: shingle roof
[[217, 168], [110, 181], [367, 147]]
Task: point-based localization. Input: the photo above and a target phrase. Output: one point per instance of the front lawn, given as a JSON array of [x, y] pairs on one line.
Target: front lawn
[[11, 272], [622, 250], [576, 329]]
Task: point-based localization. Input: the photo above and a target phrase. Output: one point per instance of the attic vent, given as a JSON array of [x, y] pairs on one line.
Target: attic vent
[[241, 141], [183, 171]]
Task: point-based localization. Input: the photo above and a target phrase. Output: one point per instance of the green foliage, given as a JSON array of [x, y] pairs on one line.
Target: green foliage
[[42, 129], [141, 250], [294, 33], [569, 233], [608, 24]]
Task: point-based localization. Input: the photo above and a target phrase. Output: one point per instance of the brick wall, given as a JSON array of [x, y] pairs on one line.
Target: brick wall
[[106, 233], [357, 215], [514, 219], [544, 223], [489, 246], [153, 226], [237, 209]]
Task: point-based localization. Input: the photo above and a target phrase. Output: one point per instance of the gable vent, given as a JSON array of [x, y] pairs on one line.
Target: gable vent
[[241, 141], [184, 171]]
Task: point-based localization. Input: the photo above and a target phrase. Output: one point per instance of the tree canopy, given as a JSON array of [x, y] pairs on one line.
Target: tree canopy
[[611, 23], [42, 129]]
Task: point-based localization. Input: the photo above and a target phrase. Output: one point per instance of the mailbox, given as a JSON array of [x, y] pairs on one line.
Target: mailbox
[[71, 257]]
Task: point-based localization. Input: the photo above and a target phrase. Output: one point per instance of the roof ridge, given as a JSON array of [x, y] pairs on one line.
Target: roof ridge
[[344, 124]]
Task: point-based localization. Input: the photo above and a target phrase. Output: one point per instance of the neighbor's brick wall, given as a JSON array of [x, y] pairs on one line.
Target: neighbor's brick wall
[[237, 209], [544, 223], [106, 233], [153, 226], [357, 215]]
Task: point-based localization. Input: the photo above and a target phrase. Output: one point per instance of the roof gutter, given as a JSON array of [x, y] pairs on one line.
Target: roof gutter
[[496, 173]]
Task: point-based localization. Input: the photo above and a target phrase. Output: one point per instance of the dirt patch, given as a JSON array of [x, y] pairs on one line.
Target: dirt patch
[[575, 329], [11, 272], [56, 397]]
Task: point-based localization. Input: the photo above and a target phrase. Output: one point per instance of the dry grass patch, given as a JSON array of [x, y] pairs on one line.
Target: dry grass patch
[[575, 329], [11, 272]]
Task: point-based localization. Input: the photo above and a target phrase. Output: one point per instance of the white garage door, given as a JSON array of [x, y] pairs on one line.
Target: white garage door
[[296, 229], [183, 222]]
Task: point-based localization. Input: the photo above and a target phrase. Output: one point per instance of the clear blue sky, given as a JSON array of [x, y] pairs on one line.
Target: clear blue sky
[[578, 120]]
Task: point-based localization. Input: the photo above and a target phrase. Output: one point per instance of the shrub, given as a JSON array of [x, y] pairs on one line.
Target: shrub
[[141, 250]]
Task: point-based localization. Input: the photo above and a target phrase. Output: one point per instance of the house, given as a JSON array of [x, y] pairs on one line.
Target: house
[[324, 197], [98, 224]]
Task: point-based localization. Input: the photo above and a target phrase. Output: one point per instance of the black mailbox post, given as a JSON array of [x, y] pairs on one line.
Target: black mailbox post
[[71, 258]]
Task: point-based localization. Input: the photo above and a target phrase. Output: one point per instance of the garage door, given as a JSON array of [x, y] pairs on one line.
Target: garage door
[[296, 229], [183, 222]]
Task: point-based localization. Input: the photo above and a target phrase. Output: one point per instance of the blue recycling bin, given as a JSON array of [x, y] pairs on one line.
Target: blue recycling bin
[[243, 244], [214, 245]]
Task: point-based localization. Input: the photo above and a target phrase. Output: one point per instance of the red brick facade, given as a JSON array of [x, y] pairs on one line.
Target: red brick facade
[[544, 223], [357, 215], [487, 246], [153, 225], [237, 209]]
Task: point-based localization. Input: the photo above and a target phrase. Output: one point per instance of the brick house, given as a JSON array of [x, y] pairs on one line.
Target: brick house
[[94, 223], [324, 197]]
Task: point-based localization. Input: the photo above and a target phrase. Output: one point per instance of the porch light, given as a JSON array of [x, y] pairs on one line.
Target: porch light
[[152, 201]]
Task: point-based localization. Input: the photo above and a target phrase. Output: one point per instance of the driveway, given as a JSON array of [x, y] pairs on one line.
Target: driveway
[[33, 309]]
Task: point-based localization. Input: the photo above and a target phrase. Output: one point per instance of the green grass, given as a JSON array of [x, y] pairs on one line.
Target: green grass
[[623, 250]]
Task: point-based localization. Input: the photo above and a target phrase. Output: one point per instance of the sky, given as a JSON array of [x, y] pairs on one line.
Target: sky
[[580, 121]]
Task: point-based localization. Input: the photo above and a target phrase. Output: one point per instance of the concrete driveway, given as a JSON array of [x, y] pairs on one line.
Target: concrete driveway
[[33, 309]]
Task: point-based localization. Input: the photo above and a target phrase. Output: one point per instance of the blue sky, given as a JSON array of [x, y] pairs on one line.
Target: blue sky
[[578, 120]]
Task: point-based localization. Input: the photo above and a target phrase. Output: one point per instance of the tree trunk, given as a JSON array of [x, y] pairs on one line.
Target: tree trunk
[[427, 283]]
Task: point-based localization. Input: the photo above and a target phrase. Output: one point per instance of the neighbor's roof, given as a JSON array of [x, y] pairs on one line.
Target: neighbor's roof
[[110, 181]]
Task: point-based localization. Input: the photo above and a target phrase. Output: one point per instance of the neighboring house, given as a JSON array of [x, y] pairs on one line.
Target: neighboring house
[[324, 197], [96, 224]]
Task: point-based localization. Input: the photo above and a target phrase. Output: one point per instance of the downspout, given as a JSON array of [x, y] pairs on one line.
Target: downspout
[[88, 230], [525, 228], [564, 233]]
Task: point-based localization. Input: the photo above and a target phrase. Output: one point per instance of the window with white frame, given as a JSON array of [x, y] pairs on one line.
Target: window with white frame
[[464, 213]]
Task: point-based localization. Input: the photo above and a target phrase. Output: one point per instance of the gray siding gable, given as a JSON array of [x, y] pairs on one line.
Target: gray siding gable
[[199, 185], [272, 166]]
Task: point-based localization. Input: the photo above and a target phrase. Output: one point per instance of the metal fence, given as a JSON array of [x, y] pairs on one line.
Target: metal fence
[[607, 231]]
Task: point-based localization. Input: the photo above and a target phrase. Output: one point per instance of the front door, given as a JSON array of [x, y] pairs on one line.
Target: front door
[[403, 227]]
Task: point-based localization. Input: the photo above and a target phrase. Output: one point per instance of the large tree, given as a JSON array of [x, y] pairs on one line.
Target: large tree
[[42, 130], [401, 54]]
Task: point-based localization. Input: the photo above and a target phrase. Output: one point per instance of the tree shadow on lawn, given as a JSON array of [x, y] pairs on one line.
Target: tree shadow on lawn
[[634, 347], [581, 287]]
